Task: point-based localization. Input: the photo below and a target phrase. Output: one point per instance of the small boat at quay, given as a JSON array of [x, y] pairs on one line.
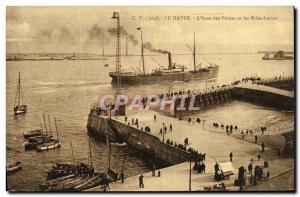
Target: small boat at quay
[[14, 167], [32, 133], [49, 143], [39, 138], [52, 144], [60, 170], [76, 176], [73, 183], [33, 143]]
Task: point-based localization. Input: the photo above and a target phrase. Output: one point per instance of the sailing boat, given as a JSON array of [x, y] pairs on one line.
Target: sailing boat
[[111, 174], [55, 143], [19, 108]]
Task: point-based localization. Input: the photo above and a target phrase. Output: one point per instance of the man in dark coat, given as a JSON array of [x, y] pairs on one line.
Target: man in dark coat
[[262, 147], [141, 182]]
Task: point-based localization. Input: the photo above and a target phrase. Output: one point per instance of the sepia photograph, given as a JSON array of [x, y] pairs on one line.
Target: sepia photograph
[[150, 99]]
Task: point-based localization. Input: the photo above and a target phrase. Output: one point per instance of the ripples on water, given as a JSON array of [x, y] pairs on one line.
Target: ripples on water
[[66, 89]]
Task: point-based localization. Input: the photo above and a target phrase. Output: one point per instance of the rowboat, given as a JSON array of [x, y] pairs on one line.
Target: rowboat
[[48, 145], [91, 182], [16, 166], [60, 170], [32, 133], [33, 144]]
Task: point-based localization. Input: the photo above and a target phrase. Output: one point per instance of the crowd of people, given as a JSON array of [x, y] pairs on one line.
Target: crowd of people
[[246, 80]]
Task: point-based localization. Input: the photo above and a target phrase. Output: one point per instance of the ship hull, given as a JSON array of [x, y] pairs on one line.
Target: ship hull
[[181, 76], [278, 58]]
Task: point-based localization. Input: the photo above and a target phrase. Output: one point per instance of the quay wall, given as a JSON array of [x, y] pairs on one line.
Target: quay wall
[[264, 98], [144, 142], [285, 83]]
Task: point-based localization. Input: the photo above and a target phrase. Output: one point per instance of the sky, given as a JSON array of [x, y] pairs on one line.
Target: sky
[[80, 29]]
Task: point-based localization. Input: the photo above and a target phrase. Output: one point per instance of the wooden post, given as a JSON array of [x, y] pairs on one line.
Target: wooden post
[[190, 174], [72, 152]]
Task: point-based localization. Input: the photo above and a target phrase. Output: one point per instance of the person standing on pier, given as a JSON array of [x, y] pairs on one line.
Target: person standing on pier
[[136, 121], [255, 139], [250, 168], [122, 176], [231, 129], [227, 127], [154, 117], [262, 130], [141, 182], [186, 141], [170, 128], [262, 147], [231, 156], [165, 129]]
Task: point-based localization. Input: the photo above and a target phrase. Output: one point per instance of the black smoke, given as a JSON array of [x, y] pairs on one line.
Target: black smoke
[[123, 32], [95, 33], [148, 45]]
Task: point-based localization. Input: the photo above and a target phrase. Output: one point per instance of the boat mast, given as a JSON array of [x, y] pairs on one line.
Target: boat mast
[[72, 152], [142, 49], [90, 153], [194, 53], [108, 150], [17, 100], [45, 123], [19, 90], [56, 128], [18, 93], [50, 125], [42, 132]]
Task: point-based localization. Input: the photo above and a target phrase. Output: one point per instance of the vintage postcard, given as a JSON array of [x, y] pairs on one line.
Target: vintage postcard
[[150, 99]]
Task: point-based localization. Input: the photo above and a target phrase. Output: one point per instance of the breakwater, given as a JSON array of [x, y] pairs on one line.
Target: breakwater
[[146, 143], [285, 83]]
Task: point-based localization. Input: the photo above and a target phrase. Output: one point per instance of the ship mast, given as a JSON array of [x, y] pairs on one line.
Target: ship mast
[[18, 92], [118, 46], [194, 53], [142, 51], [19, 98], [126, 45], [103, 44]]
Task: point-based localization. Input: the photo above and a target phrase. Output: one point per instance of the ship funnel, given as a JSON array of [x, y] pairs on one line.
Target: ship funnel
[[115, 15], [170, 59]]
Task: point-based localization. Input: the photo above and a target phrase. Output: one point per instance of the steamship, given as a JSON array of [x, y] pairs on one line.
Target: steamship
[[173, 72], [280, 55]]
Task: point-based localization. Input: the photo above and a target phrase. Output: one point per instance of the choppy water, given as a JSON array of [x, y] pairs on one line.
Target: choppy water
[[66, 89]]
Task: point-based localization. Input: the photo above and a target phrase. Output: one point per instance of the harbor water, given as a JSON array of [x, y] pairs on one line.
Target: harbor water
[[66, 89]]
